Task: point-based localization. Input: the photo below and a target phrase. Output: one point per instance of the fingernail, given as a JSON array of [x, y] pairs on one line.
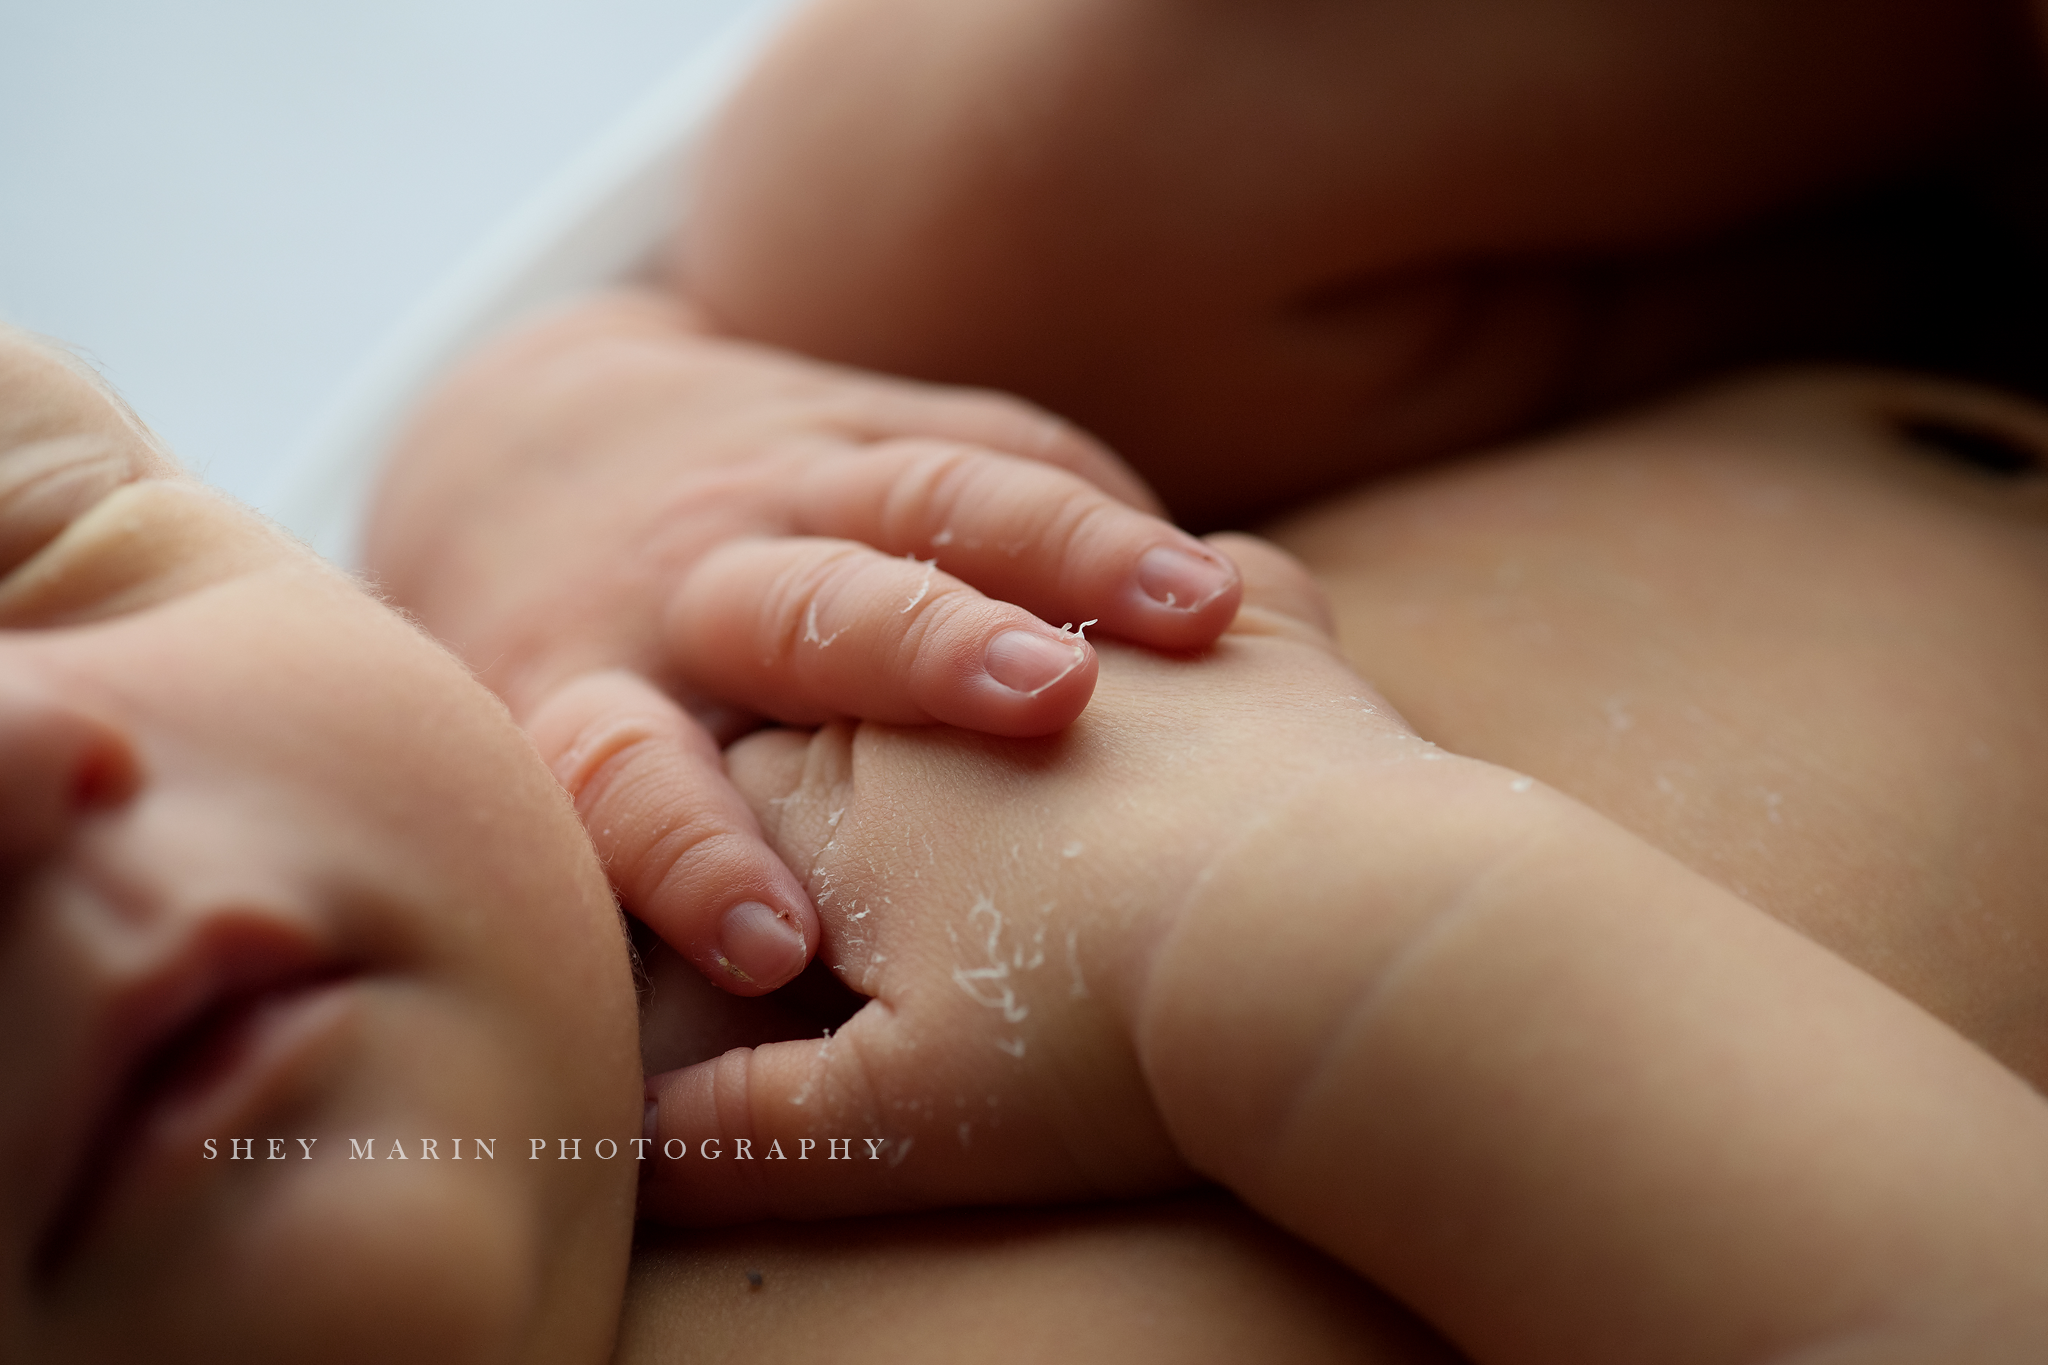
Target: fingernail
[[1181, 579], [759, 946], [1025, 661]]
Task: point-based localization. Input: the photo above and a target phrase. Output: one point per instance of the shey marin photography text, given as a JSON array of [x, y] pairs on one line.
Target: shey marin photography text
[[543, 1149]]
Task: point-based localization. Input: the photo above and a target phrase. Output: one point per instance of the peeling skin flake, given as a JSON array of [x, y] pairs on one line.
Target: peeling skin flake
[[811, 629], [925, 586], [822, 1058], [1077, 989], [989, 986]]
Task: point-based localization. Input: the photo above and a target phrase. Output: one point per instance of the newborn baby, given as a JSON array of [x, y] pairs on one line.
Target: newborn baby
[[1239, 921], [274, 864]]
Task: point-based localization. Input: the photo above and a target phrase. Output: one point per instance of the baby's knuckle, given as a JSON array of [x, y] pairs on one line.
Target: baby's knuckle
[[935, 630], [810, 586], [1024, 508], [932, 487], [698, 849], [1072, 526], [602, 755]]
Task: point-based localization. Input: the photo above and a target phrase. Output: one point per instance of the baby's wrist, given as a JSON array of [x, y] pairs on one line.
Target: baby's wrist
[[1290, 931]]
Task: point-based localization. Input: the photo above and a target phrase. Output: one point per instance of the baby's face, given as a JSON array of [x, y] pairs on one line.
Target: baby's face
[[274, 866], [1787, 630]]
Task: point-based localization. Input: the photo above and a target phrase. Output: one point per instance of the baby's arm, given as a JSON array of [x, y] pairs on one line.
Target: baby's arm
[[1561, 1094], [614, 510], [1573, 1101]]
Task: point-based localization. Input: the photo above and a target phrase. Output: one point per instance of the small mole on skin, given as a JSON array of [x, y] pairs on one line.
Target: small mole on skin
[[755, 1280]]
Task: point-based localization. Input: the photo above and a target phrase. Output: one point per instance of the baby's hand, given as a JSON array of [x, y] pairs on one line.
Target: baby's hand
[[999, 901], [614, 510], [1559, 1093]]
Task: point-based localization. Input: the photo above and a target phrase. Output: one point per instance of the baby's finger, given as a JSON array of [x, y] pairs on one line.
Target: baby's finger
[[683, 850], [867, 1121], [714, 1159], [1277, 583], [808, 629], [1027, 533], [997, 421]]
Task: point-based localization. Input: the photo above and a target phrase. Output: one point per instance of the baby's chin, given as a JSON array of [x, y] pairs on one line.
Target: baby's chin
[[413, 1265], [352, 1239], [408, 1266], [436, 1269]]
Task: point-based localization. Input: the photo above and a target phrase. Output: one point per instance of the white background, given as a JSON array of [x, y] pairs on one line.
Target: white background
[[226, 204]]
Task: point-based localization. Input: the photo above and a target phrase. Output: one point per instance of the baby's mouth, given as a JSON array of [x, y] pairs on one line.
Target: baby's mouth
[[207, 1072]]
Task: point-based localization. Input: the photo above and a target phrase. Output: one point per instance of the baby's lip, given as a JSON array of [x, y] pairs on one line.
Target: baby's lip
[[161, 1025]]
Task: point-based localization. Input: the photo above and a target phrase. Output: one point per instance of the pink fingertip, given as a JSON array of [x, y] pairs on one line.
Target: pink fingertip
[[1182, 580], [759, 946], [1028, 662]]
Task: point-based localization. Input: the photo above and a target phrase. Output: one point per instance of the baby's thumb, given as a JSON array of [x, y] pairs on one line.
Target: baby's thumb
[[779, 1130], [864, 1120]]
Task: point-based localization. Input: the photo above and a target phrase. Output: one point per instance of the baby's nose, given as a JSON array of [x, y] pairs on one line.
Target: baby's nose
[[58, 763]]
